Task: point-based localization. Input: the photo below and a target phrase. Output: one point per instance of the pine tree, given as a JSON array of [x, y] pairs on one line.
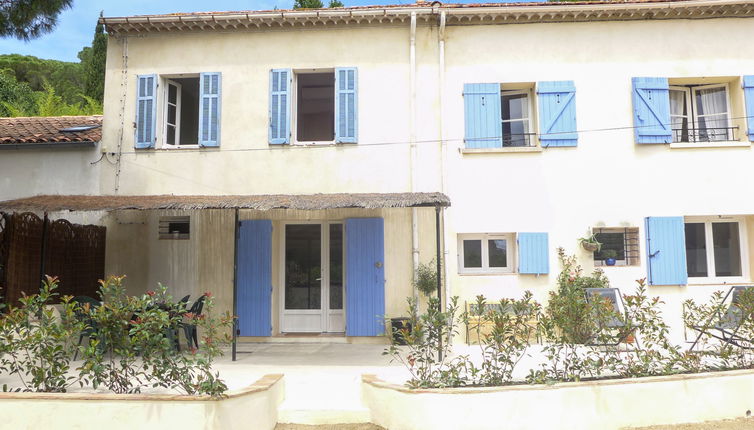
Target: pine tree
[[93, 62], [308, 4], [335, 3], [29, 19]]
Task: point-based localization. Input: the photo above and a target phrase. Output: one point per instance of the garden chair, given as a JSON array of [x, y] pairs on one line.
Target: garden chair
[[189, 328], [725, 326], [90, 330], [617, 327]]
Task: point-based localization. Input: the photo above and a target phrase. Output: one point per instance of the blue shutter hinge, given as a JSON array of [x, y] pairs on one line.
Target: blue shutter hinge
[[654, 254]]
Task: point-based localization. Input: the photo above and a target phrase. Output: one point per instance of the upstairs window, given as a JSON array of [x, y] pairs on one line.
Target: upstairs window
[[700, 113], [181, 112], [516, 118], [315, 107]]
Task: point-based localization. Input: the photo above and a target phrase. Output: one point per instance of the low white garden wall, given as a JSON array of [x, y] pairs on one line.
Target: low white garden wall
[[252, 407], [597, 405]]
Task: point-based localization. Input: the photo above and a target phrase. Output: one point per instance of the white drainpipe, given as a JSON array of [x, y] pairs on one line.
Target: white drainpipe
[[412, 139], [444, 147]]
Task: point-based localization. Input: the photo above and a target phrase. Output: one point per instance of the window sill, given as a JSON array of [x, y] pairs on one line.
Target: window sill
[[487, 273], [500, 150], [721, 144]]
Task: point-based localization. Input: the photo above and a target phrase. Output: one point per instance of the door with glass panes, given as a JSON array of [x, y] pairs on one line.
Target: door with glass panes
[[312, 294]]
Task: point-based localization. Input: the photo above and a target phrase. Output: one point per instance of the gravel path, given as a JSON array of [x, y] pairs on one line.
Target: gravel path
[[737, 424]]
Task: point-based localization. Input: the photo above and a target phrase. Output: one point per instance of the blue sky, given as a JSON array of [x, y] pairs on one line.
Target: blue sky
[[76, 26]]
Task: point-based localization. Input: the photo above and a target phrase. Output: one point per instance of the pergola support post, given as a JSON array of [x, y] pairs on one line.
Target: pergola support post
[[235, 284]]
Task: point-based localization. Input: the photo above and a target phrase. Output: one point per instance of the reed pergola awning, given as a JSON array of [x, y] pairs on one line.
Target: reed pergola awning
[[83, 203]]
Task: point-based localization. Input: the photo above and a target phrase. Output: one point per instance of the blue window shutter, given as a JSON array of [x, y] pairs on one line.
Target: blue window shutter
[[651, 100], [365, 277], [666, 251], [280, 106], [146, 111], [209, 109], [346, 105], [557, 113], [484, 128], [254, 282], [749, 95], [532, 254]]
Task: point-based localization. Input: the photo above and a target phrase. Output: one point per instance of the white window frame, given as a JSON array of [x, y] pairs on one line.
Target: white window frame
[[709, 245], [691, 109], [485, 238], [530, 102], [294, 107], [167, 80]]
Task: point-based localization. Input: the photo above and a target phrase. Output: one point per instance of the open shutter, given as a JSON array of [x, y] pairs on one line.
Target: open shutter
[[532, 254], [666, 251], [651, 99], [365, 277], [484, 128], [280, 106], [346, 105], [749, 95], [254, 295], [557, 113], [146, 111], [209, 109]]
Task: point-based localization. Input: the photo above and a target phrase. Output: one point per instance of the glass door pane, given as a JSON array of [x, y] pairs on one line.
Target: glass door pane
[[696, 250], [727, 246], [336, 266], [303, 266]]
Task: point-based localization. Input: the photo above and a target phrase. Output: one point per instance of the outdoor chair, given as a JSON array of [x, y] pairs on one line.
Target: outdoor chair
[[616, 327], [90, 330], [189, 328], [725, 326]]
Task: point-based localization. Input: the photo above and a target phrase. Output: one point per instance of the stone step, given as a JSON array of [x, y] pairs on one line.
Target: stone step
[[323, 416]]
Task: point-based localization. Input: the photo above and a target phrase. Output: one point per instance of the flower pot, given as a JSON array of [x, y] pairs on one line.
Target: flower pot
[[590, 247], [610, 261]]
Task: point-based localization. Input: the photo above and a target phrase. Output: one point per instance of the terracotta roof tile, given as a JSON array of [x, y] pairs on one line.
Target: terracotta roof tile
[[49, 129]]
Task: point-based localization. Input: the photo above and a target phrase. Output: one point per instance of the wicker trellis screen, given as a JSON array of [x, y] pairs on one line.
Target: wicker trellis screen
[[31, 247]]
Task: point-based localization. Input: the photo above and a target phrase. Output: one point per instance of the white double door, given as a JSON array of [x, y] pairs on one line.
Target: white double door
[[313, 293]]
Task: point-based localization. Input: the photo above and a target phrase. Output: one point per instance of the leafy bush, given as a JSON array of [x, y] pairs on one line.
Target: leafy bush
[[36, 345], [425, 279]]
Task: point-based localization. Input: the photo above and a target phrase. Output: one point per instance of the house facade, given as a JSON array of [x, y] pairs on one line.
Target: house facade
[[541, 123]]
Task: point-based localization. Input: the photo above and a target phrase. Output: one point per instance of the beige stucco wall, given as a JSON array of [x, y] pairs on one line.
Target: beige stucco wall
[[28, 172], [598, 405], [606, 181]]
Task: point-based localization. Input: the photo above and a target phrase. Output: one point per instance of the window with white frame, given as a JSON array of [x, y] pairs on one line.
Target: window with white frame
[[700, 113], [515, 112], [315, 106], [180, 112], [715, 248], [618, 243], [486, 253]]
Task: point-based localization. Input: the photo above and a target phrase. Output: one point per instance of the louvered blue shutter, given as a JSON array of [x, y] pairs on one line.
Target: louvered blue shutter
[[280, 106], [209, 109], [484, 128], [365, 277], [532, 254], [346, 105], [146, 111], [651, 99], [557, 113], [666, 251], [749, 96], [254, 294]]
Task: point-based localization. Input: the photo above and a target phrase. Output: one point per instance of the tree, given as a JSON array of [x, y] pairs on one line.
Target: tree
[[308, 4], [16, 98], [335, 3], [93, 64], [29, 19]]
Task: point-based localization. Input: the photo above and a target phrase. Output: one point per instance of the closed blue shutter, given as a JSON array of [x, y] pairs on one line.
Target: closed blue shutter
[[651, 99], [532, 254], [254, 295], [484, 128], [666, 251], [146, 111], [557, 113], [365, 277], [209, 109], [280, 106], [749, 96], [346, 105]]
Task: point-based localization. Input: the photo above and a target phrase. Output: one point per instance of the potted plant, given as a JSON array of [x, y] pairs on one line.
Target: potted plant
[[590, 243], [609, 256]]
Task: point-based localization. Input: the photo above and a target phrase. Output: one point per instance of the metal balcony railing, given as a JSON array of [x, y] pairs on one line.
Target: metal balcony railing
[[519, 140], [709, 134]]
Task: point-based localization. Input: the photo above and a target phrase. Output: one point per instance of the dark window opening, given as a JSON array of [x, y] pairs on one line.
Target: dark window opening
[[182, 111], [315, 107]]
